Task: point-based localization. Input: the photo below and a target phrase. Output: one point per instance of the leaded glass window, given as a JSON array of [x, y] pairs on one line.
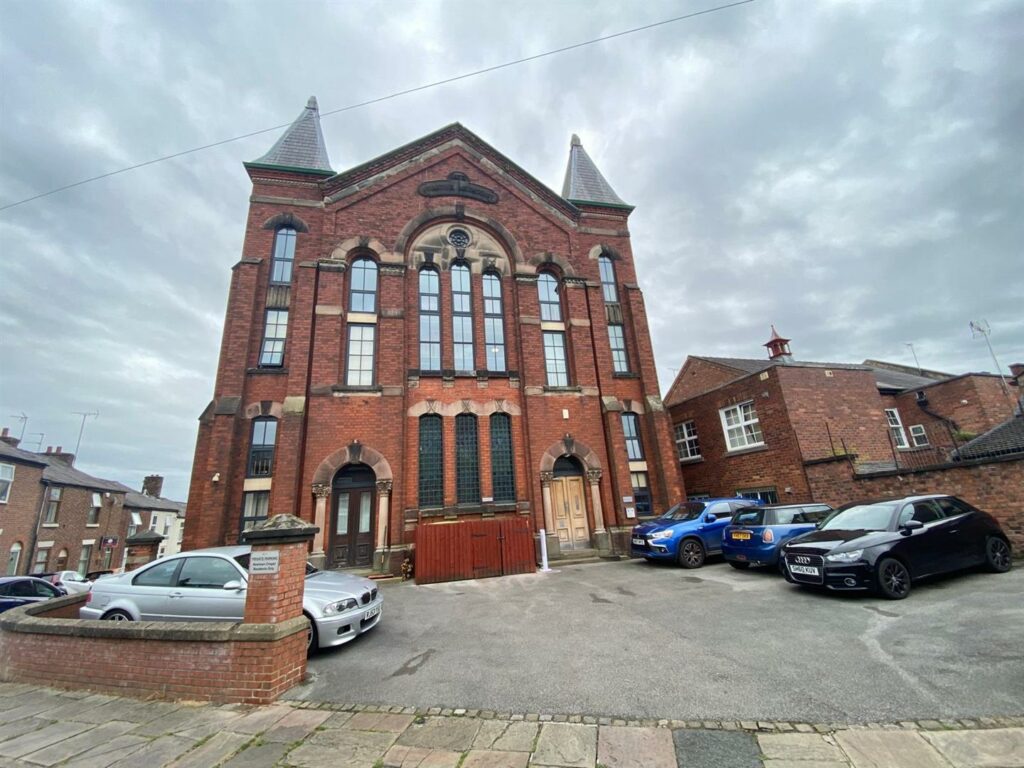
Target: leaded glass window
[[431, 462], [494, 323], [617, 341], [363, 286], [550, 301], [502, 473], [274, 333], [631, 429], [284, 257], [608, 287], [467, 460], [554, 359], [359, 370], [430, 320], [462, 318]]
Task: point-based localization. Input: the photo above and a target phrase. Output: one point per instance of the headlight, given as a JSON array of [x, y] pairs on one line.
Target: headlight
[[340, 607], [845, 557], [666, 534]]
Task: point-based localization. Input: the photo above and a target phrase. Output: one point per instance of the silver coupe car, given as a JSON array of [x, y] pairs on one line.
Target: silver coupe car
[[210, 584]]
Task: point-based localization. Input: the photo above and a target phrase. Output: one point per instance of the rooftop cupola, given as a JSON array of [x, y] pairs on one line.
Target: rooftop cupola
[[584, 183], [301, 147], [778, 348]]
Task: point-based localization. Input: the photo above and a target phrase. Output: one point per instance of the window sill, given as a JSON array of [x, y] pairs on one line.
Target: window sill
[[92, 525], [348, 388], [568, 390], [744, 451], [626, 375], [268, 371], [692, 460], [51, 525]]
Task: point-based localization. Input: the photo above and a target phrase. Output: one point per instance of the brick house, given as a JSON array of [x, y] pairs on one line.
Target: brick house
[[749, 427], [431, 336]]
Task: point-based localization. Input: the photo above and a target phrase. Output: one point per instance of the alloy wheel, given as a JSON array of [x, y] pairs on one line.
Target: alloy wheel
[[692, 554], [895, 579], [998, 555]]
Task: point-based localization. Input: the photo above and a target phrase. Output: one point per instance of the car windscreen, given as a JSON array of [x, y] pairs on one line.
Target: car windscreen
[[688, 510], [861, 517], [749, 516]]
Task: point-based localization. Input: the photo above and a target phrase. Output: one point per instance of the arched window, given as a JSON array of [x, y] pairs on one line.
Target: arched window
[[362, 296], [467, 460], [608, 287], [430, 320], [14, 559], [494, 323], [631, 429], [550, 302], [261, 447], [502, 474], [284, 256], [431, 462], [462, 318]]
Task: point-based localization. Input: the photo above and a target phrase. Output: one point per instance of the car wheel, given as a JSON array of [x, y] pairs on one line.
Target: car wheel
[[312, 638], [997, 555], [893, 579], [117, 615], [739, 566], [691, 553]]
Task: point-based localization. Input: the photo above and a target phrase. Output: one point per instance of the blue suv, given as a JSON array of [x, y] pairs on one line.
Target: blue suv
[[688, 532], [756, 534]]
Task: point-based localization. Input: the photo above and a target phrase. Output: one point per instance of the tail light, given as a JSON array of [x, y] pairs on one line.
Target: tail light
[[768, 536], [88, 597]]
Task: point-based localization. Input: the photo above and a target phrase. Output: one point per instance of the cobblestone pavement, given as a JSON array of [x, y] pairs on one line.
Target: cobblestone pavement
[[44, 727]]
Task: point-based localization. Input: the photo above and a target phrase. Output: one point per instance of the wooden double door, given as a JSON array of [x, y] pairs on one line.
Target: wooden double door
[[351, 540], [569, 510]]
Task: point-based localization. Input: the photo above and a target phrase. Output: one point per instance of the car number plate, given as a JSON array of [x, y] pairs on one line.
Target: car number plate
[[741, 535], [639, 542], [371, 613], [804, 570]]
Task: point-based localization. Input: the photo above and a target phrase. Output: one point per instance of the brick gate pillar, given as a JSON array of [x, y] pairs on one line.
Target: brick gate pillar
[[141, 549], [277, 569]]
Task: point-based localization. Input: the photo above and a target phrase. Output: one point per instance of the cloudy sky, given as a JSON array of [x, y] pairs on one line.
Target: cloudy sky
[[850, 171]]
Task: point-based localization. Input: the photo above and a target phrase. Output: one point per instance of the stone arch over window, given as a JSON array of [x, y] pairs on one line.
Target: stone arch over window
[[354, 453], [603, 249], [353, 247], [283, 220], [552, 261], [569, 446], [424, 238], [270, 408]]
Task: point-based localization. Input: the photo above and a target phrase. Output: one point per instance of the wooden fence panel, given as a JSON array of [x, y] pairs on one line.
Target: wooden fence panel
[[473, 549]]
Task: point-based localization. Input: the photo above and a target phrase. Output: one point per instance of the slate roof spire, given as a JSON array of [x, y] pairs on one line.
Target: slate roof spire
[[583, 182], [301, 146]]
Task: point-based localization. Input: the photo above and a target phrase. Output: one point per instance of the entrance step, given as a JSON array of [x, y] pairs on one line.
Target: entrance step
[[578, 557]]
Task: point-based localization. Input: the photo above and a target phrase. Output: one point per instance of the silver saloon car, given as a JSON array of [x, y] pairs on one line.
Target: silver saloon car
[[210, 584]]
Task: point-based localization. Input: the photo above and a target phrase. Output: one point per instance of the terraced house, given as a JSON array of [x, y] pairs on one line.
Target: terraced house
[[432, 336]]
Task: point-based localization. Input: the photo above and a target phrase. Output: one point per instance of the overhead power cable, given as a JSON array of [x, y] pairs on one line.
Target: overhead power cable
[[379, 99]]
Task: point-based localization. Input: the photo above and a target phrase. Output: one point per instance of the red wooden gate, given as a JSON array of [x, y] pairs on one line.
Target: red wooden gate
[[473, 549]]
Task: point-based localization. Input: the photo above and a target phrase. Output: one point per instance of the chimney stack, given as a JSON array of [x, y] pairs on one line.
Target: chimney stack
[[59, 455], [152, 485], [8, 438]]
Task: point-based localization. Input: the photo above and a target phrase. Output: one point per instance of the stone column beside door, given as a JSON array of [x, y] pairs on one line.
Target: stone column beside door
[[554, 546], [602, 540], [319, 555], [380, 553]]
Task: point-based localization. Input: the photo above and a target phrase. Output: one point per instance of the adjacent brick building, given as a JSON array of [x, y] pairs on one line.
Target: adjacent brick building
[[750, 427], [431, 336]]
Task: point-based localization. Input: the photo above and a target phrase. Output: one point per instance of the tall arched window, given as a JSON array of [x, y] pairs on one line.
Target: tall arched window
[[608, 287], [467, 460], [14, 559], [284, 256], [430, 320], [494, 323], [362, 294], [550, 302], [261, 447], [502, 473], [431, 462], [462, 318]]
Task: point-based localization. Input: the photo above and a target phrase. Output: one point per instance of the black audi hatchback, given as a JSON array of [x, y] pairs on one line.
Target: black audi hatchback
[[886, 546]]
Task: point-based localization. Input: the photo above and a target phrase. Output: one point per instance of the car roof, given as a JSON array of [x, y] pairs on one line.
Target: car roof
[[6, 579], [790, 506], [233, 551]]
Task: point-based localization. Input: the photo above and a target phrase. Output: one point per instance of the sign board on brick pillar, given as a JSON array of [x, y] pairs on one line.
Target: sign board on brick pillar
[[141, 549], [277, 569]]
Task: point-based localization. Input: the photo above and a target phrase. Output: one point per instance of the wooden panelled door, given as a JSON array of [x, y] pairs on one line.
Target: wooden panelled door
[[570, 512], [352, 532]]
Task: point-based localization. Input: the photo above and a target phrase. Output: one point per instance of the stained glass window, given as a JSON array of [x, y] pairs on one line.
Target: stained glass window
[[467, 460], [431, 462], [502, 473]]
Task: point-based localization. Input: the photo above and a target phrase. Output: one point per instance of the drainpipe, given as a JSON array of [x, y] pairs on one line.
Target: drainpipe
[[31, 558], [309, 376]]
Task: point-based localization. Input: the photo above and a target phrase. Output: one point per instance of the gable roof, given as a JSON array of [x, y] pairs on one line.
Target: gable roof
[[301, 147], [8, 451], [1004, 439], [136, 500], [584, 183], [59, 473]]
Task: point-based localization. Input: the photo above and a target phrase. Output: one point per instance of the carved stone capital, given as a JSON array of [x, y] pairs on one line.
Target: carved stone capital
[[321, 490], [384, 487], [546, 478], [594, 476]]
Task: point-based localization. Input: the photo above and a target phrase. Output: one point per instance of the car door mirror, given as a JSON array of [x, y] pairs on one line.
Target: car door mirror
[[235, 584], [711, 517], [910, 526]]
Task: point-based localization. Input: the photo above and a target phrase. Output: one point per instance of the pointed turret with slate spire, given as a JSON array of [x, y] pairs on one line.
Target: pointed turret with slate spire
[[584, 183], [301, 147], [778, 347]]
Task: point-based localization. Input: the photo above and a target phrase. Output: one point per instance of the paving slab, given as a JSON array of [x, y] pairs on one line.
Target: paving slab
[[419, 757], [805, 764], [29, 709], [716, 749], [340, 748], [566, 745], [798, 746], [69, 709], [263, 756], [192, 723], [619, 747], [127, 710], [994, 748], [102, 756], [373, 721], [21, 727], [260, 719], [518, 737], [77, 745], [489, 731], [38, 739], [490, 758], [296, 725], [451, 733], [885, 749], [337, 719], [213, 751], [157, 753]]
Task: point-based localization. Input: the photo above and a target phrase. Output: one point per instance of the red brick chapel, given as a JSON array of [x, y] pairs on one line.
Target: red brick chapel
[[429, 337]]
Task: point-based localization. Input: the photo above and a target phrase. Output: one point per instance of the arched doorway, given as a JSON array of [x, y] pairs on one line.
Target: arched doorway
[[568, 505], [351, 532]]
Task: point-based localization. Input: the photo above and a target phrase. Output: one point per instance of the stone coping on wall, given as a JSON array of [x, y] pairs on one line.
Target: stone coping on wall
[[27, 619]]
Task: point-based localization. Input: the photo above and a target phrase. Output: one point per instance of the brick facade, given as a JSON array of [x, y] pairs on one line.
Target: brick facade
[[324, 425]]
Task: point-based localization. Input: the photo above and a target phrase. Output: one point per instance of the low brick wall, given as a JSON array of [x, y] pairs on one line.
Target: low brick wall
[[222, 662], [996, 486]]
